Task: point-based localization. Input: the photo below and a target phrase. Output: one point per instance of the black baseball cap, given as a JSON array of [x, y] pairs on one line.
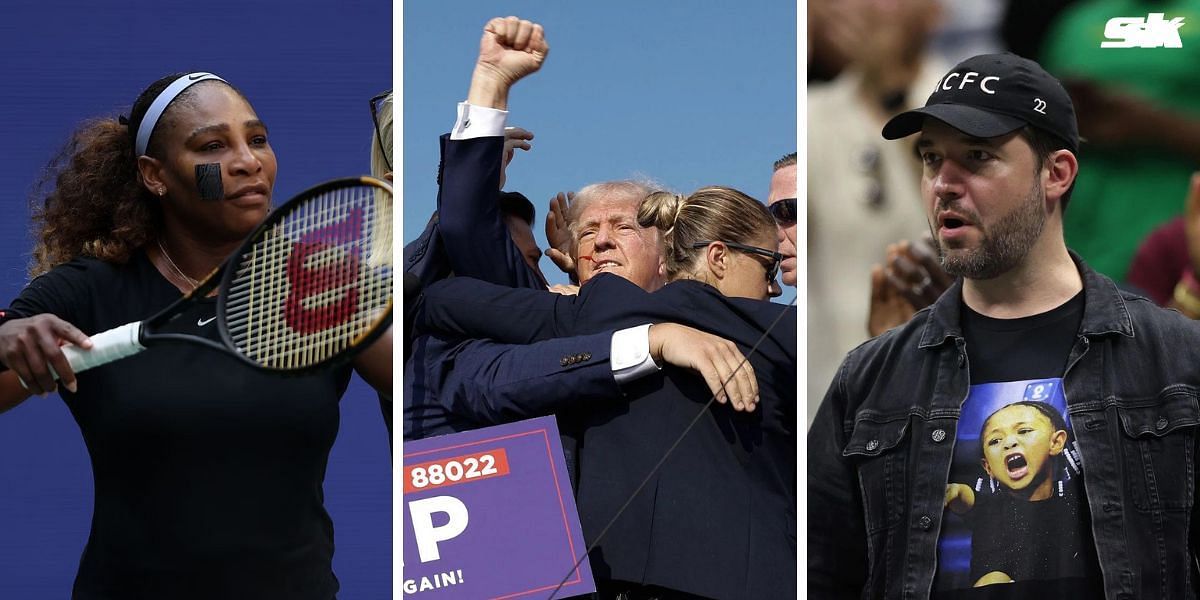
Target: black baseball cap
[[992, 95]]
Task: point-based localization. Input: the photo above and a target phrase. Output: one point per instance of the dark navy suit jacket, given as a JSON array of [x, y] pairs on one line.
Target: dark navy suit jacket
[[452, 383], [467, 235], [718, 519]]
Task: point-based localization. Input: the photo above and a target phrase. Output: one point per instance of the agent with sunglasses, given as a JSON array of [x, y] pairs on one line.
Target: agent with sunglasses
[[781, 201], [718, 518]]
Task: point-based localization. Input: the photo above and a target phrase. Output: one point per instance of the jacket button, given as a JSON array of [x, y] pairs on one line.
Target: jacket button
[[1162, 423], [585, 356], [562, 362], [872, 445], [925, 523], [938, 435]]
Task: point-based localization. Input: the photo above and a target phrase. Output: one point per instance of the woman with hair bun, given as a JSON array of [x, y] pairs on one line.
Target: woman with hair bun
[[208, 473], [697, 230], [718, 519]]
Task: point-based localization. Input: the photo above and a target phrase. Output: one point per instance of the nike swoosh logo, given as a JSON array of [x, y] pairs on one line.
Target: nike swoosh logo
[[203, 322], [196, 76]]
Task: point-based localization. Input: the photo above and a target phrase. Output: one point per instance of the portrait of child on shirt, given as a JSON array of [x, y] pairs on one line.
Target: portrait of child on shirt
[[1021, 444]]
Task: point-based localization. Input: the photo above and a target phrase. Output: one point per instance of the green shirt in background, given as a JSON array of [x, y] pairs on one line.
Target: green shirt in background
[[1122, 193]]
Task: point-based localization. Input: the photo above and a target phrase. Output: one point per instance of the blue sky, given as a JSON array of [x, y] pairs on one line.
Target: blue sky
[[687, 93]]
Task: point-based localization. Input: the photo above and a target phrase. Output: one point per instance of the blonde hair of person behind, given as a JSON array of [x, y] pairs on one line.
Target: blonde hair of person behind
[[713, 213], [381, 248], [379, 166]]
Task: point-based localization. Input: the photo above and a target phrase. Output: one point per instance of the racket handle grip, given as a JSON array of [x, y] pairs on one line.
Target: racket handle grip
[[107, 346]]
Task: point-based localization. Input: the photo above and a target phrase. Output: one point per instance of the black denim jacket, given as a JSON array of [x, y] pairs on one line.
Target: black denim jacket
[[880, 447]]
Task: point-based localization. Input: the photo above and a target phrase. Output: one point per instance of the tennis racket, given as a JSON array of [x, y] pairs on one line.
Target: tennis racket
[[310, 286]]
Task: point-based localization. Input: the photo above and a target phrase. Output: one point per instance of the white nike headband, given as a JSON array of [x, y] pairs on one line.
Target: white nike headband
[[154, 113]]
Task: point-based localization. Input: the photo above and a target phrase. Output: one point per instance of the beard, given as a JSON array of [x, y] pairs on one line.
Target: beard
[[1005, 243]]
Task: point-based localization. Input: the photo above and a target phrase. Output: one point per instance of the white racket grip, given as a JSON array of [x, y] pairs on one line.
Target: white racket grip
[[107, 346]]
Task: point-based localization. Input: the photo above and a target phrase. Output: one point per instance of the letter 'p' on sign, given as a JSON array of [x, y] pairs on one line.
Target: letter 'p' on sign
[[426, 534]]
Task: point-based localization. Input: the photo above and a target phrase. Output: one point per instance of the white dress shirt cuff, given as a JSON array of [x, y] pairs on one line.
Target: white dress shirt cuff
[[630, 355], [478, 121]]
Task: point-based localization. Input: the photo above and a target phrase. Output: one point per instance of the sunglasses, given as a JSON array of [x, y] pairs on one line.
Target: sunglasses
[[784, 211], [772, 267], [376, 101]]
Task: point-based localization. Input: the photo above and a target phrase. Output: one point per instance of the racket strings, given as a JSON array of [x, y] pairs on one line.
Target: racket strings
[[315, 283]]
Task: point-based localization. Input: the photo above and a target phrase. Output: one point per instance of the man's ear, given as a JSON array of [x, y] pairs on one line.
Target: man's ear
[[986, 468], [150, 172], [1061, 168]]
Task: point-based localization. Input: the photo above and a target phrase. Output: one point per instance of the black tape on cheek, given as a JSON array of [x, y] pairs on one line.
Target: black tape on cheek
[[208, 181]]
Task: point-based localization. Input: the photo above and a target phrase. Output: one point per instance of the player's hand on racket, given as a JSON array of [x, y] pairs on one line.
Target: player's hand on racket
[[31, 347], [724, 368], [510, 49], [557, 233]]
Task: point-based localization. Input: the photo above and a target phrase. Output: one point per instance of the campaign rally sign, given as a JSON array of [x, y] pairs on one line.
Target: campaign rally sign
[[489, 514]]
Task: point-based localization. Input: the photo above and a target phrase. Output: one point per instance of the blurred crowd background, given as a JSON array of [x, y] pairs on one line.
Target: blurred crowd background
[[1135, 211]]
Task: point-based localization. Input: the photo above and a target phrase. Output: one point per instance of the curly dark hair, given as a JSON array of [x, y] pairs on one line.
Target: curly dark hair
[[90, 201]]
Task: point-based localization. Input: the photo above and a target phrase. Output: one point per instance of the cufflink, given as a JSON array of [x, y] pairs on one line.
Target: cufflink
[[574, 359]]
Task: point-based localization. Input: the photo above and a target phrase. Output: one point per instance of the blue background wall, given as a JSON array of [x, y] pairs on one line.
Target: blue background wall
[[309, 68]]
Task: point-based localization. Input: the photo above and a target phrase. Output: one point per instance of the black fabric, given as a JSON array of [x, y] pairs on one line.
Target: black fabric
[[624, 590], [208, 473], [1034, 347], [1040, 548]]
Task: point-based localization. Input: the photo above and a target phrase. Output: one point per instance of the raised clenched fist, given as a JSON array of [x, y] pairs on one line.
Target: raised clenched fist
[[511, 48]]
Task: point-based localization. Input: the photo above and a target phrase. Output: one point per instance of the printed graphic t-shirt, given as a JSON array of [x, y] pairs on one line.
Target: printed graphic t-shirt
[[1018, 523]]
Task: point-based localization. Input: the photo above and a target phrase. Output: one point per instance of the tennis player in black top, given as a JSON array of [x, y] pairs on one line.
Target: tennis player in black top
[[208, 473]]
